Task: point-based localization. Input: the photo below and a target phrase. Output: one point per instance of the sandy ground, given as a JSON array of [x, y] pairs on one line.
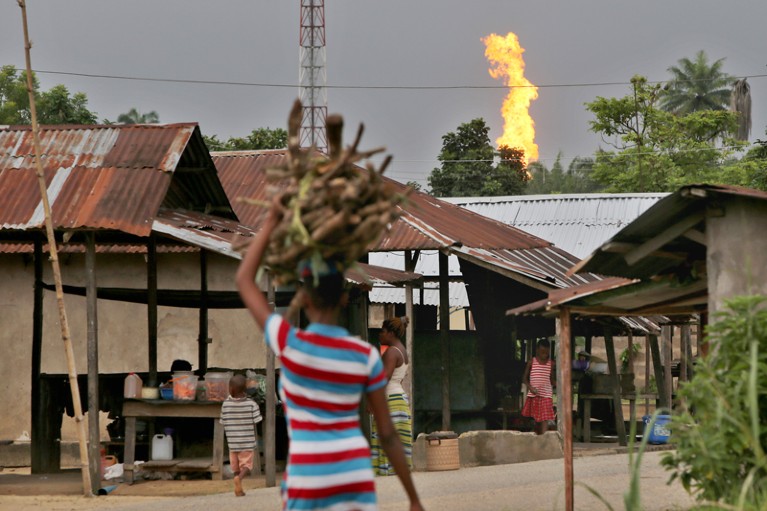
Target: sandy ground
[[529, 486]]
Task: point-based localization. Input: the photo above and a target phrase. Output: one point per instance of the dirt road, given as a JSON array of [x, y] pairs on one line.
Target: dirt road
[[524, 486]]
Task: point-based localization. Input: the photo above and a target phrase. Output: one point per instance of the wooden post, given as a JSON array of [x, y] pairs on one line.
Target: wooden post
[[202, 339], [270, 425], [38, 455], [94, 438], [410, 261], [684, 340], [565, 365], [54, 258], [151, 287], [647, 373], [444, 337], [658, 370], [620, 427], [667, 334]]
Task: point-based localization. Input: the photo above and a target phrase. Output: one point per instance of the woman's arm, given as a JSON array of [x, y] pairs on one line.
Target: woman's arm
[[251, 295], [392, 445], [526, 376]]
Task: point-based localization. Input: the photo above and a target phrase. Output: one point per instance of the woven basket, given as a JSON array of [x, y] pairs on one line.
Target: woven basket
[[442, 454]]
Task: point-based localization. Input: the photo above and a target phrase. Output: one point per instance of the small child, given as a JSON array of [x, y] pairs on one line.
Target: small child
[[239, 415]]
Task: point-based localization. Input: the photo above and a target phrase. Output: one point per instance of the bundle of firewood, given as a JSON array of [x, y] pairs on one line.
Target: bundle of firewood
[[334, 210]]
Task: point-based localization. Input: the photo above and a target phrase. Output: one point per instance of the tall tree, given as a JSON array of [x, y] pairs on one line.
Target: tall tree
[[259, 139], [656, 150], [471, 167], [133, 116], [55, 106], [697, 85], [740, 103]]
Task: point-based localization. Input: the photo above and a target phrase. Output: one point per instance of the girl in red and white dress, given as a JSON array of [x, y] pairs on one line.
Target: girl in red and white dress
[[540, 378]]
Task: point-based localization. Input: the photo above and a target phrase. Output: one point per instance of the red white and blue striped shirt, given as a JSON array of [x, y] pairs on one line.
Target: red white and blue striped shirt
[[324, 374]]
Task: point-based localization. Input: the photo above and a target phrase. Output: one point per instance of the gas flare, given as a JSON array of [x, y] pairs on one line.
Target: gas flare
[[505, 57]]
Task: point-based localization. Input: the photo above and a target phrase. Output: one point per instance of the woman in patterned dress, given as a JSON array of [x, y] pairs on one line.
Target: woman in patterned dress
[[325, 371], [540, 378], [395, 363]]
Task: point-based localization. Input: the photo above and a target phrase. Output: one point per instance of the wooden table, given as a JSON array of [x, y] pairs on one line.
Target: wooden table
[[587, 398], [146, 408]]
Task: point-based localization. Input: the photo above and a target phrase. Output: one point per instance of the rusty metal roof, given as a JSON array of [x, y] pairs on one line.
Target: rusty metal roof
[[106, 177], [426, 223]]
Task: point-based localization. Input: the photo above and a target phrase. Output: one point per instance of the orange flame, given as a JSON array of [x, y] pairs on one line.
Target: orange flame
[[505, 57]]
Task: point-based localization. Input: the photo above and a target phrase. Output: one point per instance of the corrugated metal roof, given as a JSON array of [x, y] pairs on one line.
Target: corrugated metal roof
[[688, 204], [426, 223], [576, 223], [428, 295], [106, 177], [203, 231]]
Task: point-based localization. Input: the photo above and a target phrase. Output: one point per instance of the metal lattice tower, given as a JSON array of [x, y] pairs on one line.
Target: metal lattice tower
[[312, 76]]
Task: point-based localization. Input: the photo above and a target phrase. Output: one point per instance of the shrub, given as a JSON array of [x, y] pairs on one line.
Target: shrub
[[720, 431]]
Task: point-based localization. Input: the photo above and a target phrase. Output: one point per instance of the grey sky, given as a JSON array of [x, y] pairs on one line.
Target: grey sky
[[392, 42]]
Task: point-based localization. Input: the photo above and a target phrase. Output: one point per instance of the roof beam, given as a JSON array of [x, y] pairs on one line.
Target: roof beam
[[648, 247], [696, 236]]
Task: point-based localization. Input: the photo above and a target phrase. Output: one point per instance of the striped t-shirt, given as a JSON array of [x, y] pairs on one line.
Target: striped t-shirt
[[324, 373], [239, 417]]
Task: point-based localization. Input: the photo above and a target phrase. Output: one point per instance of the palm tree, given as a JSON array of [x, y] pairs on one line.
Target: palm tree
[[134, 117], [697, 85], [740, 102]]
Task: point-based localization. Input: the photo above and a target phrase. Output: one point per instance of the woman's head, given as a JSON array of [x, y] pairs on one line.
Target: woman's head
[[324, 292], [394, 326]]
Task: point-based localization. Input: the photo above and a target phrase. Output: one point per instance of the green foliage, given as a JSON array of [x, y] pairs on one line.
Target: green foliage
[[656, 150], [624, 356], [576, 179], [471, 167], [259, 139], [56, 106], [697, 85], [133, 116], [719, 431]]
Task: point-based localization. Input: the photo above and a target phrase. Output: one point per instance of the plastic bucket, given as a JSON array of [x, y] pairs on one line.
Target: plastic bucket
[[659, 434], [162, 447], [184, 385]]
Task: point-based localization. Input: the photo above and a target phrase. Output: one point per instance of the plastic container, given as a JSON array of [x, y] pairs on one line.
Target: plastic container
[[150, 393], [660, 432], [217, 385], [132, 386], [184, 385], [166, 393], [162, 447]]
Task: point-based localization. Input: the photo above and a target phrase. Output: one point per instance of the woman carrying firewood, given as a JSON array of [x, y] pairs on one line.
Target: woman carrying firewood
[[325, 372]]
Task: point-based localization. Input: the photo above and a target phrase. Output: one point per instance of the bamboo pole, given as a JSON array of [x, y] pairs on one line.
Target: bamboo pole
[[54, 257]]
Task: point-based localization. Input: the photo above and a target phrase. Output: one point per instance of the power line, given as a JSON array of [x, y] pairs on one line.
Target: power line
[[360, 87]]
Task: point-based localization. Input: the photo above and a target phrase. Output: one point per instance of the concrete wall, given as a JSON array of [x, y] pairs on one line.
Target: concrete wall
[[237, 342], [482, 448], [737, 252]]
